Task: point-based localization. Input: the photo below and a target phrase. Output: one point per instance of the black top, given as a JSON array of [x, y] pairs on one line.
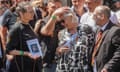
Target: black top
[[8, 19], [20, 33], [17, 40], [48, 42]]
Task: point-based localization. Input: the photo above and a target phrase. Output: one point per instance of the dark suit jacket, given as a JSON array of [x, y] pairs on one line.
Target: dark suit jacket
[[108, 53]]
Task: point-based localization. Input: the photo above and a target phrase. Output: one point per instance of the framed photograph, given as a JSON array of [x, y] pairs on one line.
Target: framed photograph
[[34, 47]]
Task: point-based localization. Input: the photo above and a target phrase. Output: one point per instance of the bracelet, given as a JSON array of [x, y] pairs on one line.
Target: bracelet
[[53, 17], [21, 52]]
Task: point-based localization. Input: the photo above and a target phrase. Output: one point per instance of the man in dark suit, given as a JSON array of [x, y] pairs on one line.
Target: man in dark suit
[[106, 57]]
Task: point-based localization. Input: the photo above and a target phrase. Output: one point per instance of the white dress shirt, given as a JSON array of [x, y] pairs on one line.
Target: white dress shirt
[[87, 18]]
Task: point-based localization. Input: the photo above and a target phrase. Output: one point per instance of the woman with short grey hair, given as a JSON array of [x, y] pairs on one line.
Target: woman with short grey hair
[[75, 42]]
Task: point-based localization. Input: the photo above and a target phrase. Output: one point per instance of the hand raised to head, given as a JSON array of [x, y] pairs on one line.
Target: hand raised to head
[[61, 11]]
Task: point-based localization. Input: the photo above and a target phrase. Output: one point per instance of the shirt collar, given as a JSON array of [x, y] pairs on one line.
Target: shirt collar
[[104, 27]]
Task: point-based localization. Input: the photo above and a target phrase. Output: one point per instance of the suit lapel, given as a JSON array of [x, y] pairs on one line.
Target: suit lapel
[[105, 32], [103, 37]]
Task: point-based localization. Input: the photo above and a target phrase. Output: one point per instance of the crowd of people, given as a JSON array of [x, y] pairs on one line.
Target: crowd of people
[[38, 36]]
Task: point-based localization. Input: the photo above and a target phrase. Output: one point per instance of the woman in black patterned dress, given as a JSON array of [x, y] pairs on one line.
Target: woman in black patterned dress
[[73, 51]]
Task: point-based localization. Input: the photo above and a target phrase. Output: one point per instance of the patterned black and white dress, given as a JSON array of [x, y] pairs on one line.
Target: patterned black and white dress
[[77, 59], [80, 52], [66, 39]]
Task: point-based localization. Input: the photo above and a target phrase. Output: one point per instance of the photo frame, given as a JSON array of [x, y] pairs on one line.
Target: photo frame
[[34, 47]]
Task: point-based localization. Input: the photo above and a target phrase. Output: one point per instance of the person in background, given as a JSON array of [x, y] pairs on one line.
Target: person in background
[[37, 13], [13, 6], [87, 17], [115, 5], [1, 48], [107, 2], [23, 60], [4, 17], [6, 23], [78, 8], [106, 52], [41, 6], [47, 30]]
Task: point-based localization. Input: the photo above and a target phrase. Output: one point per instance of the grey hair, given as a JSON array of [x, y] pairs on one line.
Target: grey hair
[[72, 15], [104, 10]]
